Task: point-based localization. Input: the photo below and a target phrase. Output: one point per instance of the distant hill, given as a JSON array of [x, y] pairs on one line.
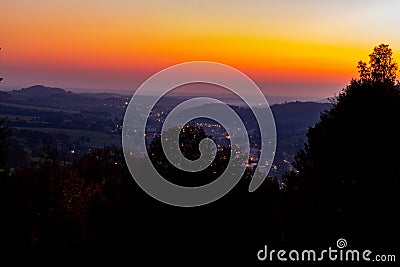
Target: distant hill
[[40, 91], [305, 113], [58, 98]]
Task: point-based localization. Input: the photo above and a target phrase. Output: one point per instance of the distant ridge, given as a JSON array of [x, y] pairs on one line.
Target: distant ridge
[[40, 91], [4, 95], [44, 96]]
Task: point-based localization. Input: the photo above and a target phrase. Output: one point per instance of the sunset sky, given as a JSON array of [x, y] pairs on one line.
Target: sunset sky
[[287, 47]]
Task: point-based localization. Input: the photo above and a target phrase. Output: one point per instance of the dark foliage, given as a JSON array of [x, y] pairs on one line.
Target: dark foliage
[[92, 211], [348, 180], [189, 140]]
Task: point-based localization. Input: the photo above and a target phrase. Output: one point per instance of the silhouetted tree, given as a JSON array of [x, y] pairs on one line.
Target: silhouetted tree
[[5, 134], [347, 182], [382, 66]]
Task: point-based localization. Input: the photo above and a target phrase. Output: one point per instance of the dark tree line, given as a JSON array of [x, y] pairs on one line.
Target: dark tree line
[[91, 210]]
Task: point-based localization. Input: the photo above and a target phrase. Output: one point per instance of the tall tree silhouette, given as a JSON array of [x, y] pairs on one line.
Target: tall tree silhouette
[[347, 181], [381, 67]]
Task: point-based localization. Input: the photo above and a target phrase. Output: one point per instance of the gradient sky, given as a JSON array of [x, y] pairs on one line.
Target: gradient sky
[[287, 47]]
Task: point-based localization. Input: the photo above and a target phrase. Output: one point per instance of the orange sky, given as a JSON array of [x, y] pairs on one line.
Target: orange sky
[[114, 45]]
